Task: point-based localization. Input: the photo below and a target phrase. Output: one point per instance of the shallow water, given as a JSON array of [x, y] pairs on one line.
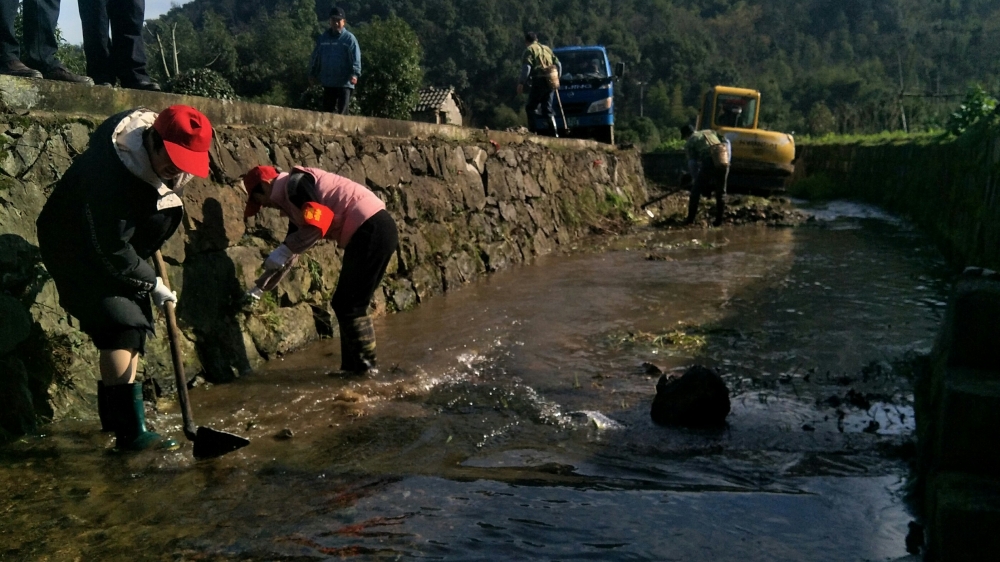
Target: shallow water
[[510, 420]]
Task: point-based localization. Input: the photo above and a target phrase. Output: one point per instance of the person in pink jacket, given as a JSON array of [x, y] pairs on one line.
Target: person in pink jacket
[[321, 205]]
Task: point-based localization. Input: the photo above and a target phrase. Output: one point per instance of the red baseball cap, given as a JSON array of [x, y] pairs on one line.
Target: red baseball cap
[[187, 136], [251, 180]]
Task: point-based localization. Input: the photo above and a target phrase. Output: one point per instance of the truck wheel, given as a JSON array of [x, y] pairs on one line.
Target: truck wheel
[[605, 134]]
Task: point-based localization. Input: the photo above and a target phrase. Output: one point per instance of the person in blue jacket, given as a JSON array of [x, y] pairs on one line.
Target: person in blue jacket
[[336, 62]]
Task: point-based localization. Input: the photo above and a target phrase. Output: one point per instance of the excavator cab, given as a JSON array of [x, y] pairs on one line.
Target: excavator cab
[[732, 108], [762, 159]]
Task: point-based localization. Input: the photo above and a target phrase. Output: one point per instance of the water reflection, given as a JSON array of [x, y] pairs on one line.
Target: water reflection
[[510, 420]]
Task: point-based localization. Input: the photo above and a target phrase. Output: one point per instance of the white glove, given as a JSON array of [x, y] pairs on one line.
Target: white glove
[[161, 294], [278, 258], [253, 295]]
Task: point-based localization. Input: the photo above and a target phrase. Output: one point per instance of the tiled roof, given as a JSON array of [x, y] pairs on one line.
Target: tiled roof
[[431, 99]]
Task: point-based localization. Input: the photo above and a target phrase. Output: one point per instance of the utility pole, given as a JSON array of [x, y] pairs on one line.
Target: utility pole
[[640, 84]]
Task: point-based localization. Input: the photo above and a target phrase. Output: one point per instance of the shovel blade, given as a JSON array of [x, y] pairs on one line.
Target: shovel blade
[[211, 443]]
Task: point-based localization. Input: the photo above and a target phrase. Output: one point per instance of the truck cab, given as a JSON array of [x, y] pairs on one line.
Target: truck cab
[[762, 159], [586, 90]]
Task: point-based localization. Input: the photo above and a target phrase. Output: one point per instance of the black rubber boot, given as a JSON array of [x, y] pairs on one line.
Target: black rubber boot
[[127, 415], [103, 412], [357, 345], [720, 209], [693, 201]]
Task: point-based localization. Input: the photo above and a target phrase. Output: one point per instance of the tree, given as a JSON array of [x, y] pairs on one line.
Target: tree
[[391, 74], [976, 105]]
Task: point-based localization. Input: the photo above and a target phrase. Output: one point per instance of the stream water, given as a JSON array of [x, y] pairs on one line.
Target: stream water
[[510, 419]]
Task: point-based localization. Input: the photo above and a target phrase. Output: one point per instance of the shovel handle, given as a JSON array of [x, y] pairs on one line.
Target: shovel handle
[[561, 112], [174, 335]]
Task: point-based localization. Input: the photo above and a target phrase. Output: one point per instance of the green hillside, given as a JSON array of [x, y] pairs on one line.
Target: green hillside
[[849, 66]]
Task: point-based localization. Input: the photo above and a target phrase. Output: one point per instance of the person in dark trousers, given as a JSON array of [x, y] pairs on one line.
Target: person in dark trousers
[[536, 62], [39, 20], [708, 175], [336, 63], [321, 205], [112, 209], [118, 56]]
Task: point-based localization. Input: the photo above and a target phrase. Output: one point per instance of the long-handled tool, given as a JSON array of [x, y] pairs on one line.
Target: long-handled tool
[[208, 442], [659, 198], [552, 74], [561, 112], [685, 184]]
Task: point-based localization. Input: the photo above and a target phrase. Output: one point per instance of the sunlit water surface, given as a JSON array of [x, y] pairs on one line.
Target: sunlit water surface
[[510, 420]]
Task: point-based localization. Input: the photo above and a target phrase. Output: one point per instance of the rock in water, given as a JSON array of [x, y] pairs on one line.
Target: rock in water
[[698, 398]]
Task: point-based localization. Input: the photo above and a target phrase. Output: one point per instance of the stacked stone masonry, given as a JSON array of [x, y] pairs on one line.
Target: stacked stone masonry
[[958, 425], [467, 202]]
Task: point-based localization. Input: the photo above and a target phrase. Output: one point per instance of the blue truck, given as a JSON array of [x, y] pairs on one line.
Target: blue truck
[[586, 89]]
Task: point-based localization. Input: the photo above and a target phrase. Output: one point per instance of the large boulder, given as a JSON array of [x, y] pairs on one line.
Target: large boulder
[[698, 398]]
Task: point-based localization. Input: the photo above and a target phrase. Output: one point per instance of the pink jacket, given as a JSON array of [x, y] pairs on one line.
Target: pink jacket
[[352, 204]]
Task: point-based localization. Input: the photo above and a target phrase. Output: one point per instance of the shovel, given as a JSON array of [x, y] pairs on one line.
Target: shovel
[[208, 442], [685, 184], [563, 113]]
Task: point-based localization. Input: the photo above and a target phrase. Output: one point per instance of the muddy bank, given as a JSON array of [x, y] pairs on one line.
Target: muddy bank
[[467, 205], [671, 211]]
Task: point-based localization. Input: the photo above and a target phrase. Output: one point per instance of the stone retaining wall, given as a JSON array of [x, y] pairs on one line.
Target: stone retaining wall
[[467, 202]]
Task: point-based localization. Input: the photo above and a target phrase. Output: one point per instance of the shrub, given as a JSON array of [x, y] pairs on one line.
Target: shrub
[[203, 82], [976, 105]]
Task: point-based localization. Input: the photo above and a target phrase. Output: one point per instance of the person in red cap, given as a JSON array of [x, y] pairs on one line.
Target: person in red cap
[[321, 205], [113, 208]]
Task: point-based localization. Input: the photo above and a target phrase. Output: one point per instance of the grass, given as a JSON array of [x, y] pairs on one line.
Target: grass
[[885, 137], [681, 338]]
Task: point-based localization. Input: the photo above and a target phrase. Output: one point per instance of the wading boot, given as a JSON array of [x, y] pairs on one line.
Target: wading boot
[[693, 201], [127, 415], [357, 346], [103, 412], [720, 210]]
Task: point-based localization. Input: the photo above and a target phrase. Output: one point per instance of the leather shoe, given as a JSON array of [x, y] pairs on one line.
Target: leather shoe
[[147, 85], [18, 68], [63, 75]]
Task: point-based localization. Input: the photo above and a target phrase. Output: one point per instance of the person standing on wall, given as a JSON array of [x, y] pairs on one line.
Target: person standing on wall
[[113, 209], [708, 163], [118, 56], [336, 63], [537, 62], [39, 61], [322, 205]]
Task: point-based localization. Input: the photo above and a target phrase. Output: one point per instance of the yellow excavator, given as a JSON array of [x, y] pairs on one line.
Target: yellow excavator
[[762, 159]]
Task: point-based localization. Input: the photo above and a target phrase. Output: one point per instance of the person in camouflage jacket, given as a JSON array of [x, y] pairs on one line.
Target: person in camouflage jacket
[[536, 60], [707, 176]]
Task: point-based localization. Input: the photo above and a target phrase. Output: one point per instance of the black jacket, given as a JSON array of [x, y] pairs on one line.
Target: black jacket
[[101, 224], [103, 218]]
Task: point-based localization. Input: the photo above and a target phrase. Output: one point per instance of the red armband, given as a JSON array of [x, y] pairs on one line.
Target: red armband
[[317, 215]]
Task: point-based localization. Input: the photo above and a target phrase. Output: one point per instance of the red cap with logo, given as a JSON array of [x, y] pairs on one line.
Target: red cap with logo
[[251, 180], [187, 137]]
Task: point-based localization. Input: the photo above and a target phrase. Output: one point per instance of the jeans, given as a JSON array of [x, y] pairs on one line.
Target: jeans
[[543, 95], [40, 18], [120, 55], [710, 178], [337, 100]]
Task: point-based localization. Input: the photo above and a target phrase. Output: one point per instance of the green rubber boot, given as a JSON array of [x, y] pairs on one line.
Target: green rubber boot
[[128, 419]]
